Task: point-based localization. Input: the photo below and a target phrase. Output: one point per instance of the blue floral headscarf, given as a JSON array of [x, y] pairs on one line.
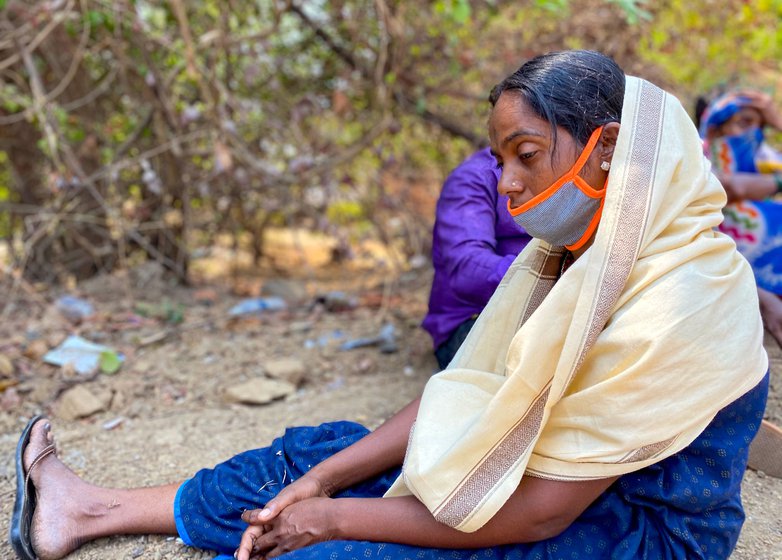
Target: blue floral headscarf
[[721, 110], [730, 153]]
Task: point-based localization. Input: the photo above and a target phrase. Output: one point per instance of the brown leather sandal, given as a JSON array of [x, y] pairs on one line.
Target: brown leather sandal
[[24, 505], [765, 451]]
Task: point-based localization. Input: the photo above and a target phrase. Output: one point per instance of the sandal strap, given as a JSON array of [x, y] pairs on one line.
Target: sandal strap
[[46, 451]]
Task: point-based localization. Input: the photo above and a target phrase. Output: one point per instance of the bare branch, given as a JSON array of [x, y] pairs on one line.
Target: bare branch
[[59, 88], [39, 104], [44, 33], [99, 90], [405, 100]]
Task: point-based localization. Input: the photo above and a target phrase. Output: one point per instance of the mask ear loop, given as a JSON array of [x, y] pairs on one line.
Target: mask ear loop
[[592, 224]]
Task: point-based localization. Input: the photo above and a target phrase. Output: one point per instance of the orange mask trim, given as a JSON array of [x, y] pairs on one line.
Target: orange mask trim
[[592, 225], [570, 175]]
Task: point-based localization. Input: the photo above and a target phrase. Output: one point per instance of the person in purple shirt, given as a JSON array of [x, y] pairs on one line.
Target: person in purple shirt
[[475, 241]]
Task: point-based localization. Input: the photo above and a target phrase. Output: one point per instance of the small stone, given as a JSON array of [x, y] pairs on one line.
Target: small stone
[[286, 369], [290, 290], [55, 339], [365, 365], [10, 399], [105, 396], [300, 327], [78, 402], [68, 372], [118, 400], [206, 296], [42, 390], [36, 349], [6, 366], [259, 391]]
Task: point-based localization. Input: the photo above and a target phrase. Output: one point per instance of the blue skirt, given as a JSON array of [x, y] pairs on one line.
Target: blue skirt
[[686, 506]]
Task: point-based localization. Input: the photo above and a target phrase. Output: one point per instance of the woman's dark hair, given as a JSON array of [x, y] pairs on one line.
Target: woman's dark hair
[[577, 90]]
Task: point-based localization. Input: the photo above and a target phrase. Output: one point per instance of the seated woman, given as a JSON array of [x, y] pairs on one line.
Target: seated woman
[[600, 408], [469, 262], [732, 128]]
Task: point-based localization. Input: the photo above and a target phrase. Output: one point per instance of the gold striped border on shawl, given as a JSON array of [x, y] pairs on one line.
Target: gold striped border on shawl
[[457, 507], [634, 456], [549, 264], [544, 262], [635, 202], [544, 265], [559, 477], [647, 451], [626, 243]]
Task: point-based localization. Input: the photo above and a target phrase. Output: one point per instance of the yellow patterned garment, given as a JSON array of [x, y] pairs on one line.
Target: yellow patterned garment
[[621, 362]]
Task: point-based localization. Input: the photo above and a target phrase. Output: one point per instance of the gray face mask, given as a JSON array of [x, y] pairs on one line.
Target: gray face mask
[[564, 219], [566, 214]]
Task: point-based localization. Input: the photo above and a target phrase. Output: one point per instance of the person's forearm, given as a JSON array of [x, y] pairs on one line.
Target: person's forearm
[[407, 521], [761, 186], [373, 454], [748, 186], [538, 509]]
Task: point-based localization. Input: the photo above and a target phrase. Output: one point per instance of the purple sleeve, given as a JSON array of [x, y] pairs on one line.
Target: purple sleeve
[[465, 239]]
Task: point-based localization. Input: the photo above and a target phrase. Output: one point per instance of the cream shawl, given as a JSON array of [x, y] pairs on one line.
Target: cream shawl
[[620, 363]]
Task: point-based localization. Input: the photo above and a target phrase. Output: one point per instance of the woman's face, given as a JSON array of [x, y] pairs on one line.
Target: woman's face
[[745, 119], [523, 145]]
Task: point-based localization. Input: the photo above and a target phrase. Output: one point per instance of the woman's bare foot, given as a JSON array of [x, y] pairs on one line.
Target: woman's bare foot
[[771, 311], [70, 512], [54, 531]]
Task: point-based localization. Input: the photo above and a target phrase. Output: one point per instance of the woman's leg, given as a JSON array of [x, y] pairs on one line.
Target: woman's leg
[[69, 511], [205, 511], [209, 506]]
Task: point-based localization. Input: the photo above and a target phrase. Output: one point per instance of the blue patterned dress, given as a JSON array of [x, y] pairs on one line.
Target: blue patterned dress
[[684, 507]]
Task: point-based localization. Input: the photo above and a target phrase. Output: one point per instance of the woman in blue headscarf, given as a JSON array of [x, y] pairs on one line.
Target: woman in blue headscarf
[[732, 128]]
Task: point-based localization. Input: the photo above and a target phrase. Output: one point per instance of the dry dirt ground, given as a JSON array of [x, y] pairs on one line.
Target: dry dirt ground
[[165, 412]]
